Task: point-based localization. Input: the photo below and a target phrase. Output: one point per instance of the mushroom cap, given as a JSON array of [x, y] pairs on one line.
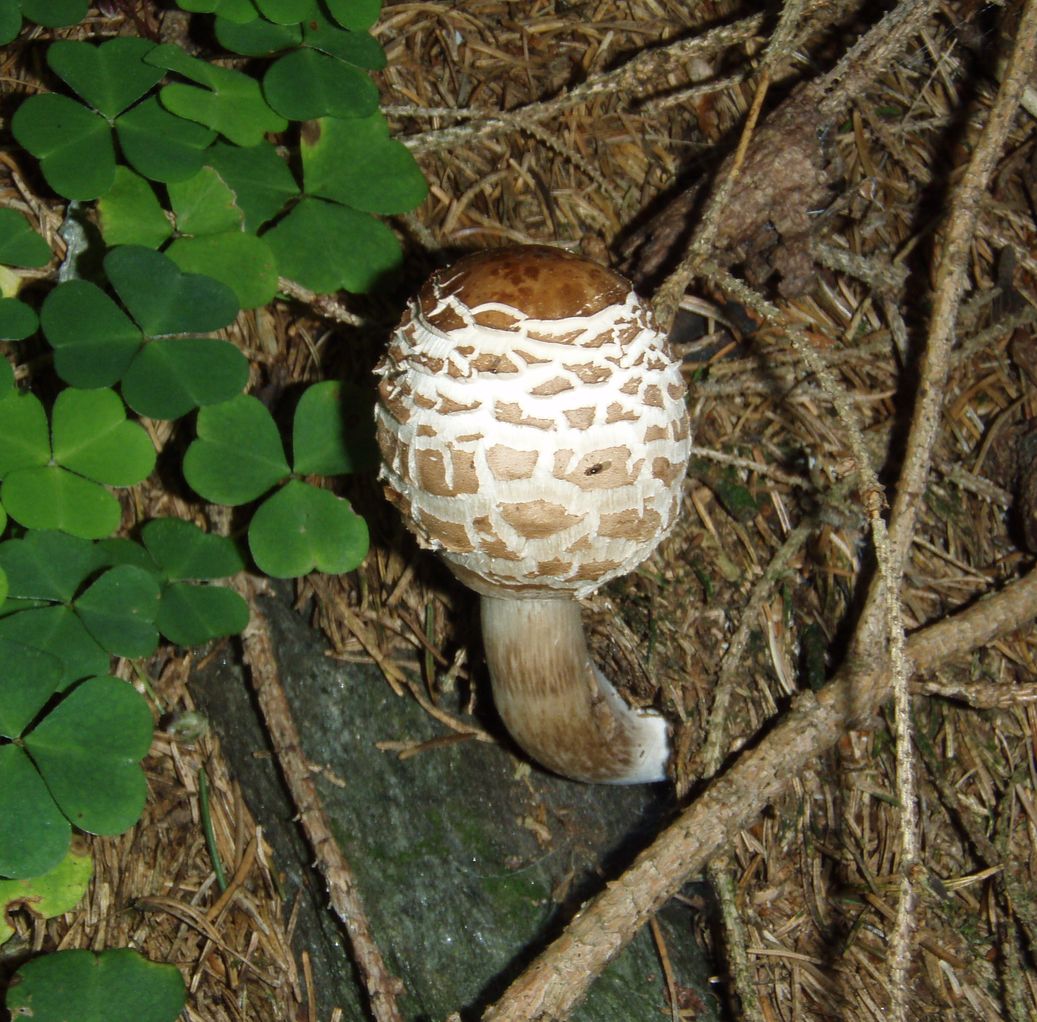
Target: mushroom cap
[[532, 423]]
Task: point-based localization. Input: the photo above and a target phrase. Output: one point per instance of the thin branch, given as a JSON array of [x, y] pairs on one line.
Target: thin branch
[[744, 1002], [643, 68], [668, 298], [381, 985]]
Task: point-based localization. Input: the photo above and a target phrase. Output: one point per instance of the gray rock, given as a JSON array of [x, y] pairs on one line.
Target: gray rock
[[467, 868]]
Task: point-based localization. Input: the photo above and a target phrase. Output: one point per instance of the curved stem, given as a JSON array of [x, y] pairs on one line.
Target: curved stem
[[557, 705]]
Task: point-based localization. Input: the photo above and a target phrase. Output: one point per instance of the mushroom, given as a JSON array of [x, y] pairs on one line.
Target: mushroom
[[534, 431]]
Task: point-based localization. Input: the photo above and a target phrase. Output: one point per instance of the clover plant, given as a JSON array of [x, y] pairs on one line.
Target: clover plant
[[239, 456], [49, 894], [150, 342], [22, 247], [52, 475], [50, 13], [115, 986], [211, 184]]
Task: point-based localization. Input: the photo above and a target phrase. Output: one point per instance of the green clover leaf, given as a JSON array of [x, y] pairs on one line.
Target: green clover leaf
[[225, 100], [327, 247], [118, 985], [356, 163], [74, 142], [88, 751], [108, 77], [302, 528], [92, 445], [35, 835], [96, 343], [50, 894], [238, 455]]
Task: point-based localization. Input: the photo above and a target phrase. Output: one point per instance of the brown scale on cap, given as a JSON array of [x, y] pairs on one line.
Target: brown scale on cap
[[545, 283]]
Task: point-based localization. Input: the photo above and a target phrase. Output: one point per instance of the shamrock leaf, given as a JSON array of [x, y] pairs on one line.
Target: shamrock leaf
[[88, 751], [96, 343], [74, 142], [60, 484], [118, 985], [302, 528], [227, 101], [238, 455]]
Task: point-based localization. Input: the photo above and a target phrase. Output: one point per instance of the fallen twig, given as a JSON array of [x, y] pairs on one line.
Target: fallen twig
[[381, 985]]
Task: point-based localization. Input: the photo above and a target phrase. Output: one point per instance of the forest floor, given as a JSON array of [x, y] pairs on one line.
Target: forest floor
[[839, 214]]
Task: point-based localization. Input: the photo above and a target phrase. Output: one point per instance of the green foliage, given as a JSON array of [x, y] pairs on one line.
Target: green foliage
[[200, 216], [119, 985], [165, 372], [50, 894], [20, 246], [74, 142], [50, 13], [222, 99], [79, 764], [55, 478], [183, 554], [209, 231], [239, 457]]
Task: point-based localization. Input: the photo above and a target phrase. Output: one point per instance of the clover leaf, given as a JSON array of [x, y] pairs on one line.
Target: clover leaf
[[88, 750], [52, 893], [306, 83], [164, 374], [260, 179], [66, 595], [35, 835], [109, 77], [118, 985], [211, 239], [333, 430], [238, 456], [325, 75], [74, 142], [353, 45], [130, 214], [209, 228], [302, 528], [77, 762], [119, 611], [162, 146], [45, 571], [192, 614], [286, 12], [20, 246], [50, 13], [356, 163], [256, 38], [327, 247], [30, 678], [223, 99], [356, 15], [58, 481]]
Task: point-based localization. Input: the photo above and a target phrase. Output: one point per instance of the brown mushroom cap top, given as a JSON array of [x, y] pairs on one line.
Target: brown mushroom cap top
[[541, 282], [532, 422]]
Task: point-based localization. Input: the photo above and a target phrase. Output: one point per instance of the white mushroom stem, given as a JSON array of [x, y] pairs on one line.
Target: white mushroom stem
[[555, 702]]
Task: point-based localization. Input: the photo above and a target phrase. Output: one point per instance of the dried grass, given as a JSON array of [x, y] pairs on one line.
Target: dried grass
[[480, 91]]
